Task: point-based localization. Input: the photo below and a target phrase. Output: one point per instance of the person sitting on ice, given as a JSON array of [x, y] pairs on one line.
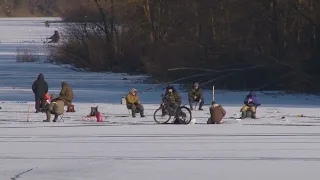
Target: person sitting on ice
[[66, 95], [251, 103], [196, 95], [56, 107], [172, 98], [55, 37], [134, 103], [216, 114]]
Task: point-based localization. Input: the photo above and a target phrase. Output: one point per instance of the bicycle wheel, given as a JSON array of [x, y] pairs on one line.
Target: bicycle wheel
[[161, 117], [184, 115]]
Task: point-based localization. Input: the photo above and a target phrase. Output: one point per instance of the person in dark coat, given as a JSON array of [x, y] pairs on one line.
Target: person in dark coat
[[40, 89], [55, 37], [196, 95], [251, 102]]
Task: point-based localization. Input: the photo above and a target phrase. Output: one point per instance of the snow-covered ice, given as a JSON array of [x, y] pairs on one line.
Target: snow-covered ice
[[280, 145]]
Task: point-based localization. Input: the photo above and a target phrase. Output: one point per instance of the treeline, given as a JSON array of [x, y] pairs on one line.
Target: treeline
[[233, 44], [34, 8]]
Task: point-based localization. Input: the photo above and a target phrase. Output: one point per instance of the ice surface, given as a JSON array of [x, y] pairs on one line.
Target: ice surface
[[280, 145]]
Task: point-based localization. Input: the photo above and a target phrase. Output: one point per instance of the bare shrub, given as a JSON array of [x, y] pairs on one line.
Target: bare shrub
[[29, 53]]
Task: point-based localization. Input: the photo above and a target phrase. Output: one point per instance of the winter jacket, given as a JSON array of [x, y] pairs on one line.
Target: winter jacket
[[56, 106], [217, 113], [132, 99], [66, 93], [172, 98], [48, 98], [255, 100], [55, 37], [40, 86], [195, 92]]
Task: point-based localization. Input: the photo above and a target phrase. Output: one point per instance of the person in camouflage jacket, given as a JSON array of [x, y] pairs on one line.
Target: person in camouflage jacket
[[56, 107], [66, 93], [196, 95], [172, 98]]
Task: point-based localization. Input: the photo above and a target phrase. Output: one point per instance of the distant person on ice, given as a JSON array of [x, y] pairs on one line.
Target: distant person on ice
[[56, 108], [216, 114], [55, 37], [196, 95], [40, 89], [251, 103], [66, 95], [134, 103]]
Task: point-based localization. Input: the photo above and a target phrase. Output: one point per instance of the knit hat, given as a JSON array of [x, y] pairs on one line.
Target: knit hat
[[133, 90], [169, 87]]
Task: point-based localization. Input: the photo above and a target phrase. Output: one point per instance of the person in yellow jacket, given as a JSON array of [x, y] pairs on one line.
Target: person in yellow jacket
[[134, 104]]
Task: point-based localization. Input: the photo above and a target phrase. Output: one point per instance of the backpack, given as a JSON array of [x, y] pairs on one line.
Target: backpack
[[94, 111]]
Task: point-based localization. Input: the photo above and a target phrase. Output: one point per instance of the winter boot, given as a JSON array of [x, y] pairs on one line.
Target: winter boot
[[200, 106], [55, 118], [141, 114], [253, 115], [47, 120], [176, 121], [243, 115]]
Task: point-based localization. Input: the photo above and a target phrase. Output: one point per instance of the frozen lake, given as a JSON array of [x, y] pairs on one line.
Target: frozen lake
[[279, 145]]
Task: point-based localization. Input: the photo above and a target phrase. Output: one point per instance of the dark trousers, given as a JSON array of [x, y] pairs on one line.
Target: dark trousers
[[48, 113], [173, 109], [136, 108], [192, 100], [38, 104]]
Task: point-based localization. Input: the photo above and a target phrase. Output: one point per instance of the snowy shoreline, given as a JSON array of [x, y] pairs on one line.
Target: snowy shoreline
[[279, 145]]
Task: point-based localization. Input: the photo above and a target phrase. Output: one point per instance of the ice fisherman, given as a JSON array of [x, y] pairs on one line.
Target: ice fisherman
[[40, 89], [216, 114], [56, 107], [172, 98], [133, 103], [55, 37], [196, 95], [67, 95], [251, 102]]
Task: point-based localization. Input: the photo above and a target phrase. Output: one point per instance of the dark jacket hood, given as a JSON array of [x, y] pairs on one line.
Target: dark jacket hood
[[40, 77]]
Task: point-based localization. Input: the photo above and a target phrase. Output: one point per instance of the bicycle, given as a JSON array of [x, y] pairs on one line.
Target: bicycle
[[165, 113]]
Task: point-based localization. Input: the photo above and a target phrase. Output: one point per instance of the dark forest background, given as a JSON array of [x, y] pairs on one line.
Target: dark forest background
[[233, 44]]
